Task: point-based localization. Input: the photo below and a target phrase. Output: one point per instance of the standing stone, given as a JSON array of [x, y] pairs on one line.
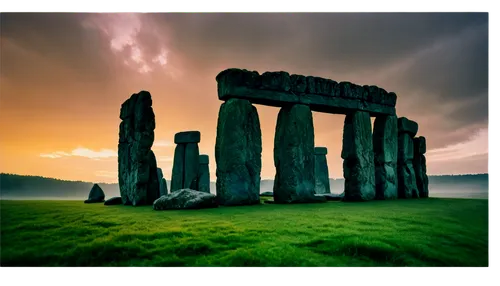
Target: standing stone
[[163, 182], [419, 164], [294, 181], [407, 185], [177, 181], [153, 182], [191, 166], [204, 175], [185, 168], [321, 171], [385, 148], [96, 195], [137, 176], [357, 152], [238, 151]]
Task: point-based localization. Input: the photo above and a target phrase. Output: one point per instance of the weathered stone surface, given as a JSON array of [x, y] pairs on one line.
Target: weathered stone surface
[[153, 182], [162, 182], [276, 81], [163, 187], [385, 148], [299, 83], [357, 152], [407, 126], [294, 181], [407, 186], [322, 180], [134, 158], [420, 144], [187, 137], [177, 181], [185, 199], [320, 150], [113, 201], [324, 95], [238, 151], [96, 195], [191, 166], [419, 165], [266, 194], [203, 174]]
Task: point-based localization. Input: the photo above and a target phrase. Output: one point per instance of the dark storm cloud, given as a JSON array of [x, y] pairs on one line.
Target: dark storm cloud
[[60, 38]]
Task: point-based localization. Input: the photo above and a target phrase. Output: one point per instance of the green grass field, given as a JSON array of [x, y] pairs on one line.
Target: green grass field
[[427, 232]]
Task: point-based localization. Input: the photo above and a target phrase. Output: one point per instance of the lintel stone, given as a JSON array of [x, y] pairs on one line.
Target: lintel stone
[[187, 137], [320, 150], [406, 125]]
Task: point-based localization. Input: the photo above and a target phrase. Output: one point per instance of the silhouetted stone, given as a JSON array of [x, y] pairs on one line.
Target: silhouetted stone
[[407, 126], [113, 201], [294, 156], [185, 199], [385, 147], [203, 175], [266, 194], [187, 137], [135, 160], [324, 95], [407, 185], [177, 181], [191, 166], [153, 182], [163, 183], [96, 195], [419, 164], [238, 150], [321, 171], [357, 152]]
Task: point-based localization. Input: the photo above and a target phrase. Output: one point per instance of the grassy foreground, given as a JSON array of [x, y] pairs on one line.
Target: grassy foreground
[[427, 232]]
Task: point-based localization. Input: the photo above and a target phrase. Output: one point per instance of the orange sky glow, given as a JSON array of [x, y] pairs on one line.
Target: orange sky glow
[[64, 77]]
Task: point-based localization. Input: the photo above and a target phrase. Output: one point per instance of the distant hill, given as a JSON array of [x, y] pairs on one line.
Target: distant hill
[[34, 187]]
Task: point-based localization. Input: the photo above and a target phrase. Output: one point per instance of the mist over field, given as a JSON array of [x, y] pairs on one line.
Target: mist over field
[[17, 187]]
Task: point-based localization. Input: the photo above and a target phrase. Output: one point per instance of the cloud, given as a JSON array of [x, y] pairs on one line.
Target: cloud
[[475, 146], [82, 152]]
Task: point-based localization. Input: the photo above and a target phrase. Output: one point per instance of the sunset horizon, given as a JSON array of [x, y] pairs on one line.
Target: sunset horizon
[[65, 76]]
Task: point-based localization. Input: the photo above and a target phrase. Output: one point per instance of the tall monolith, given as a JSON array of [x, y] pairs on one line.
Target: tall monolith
[[294, 181], [385, 148], [203, 175], [407, 185], [238, 152], [419, 164], [137, 175], [357, 152], [186, 164], [321, 171]]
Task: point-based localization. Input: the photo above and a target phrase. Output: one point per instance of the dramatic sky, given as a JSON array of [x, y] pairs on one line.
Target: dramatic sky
[[64, 77]]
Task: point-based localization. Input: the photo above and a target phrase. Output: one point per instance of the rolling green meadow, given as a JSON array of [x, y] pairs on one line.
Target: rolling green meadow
[[420, 232]]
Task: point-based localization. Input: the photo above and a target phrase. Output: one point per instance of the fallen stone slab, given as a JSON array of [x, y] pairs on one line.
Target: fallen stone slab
[[185, 199], [113, 201], [324, 95], [187, 137]]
